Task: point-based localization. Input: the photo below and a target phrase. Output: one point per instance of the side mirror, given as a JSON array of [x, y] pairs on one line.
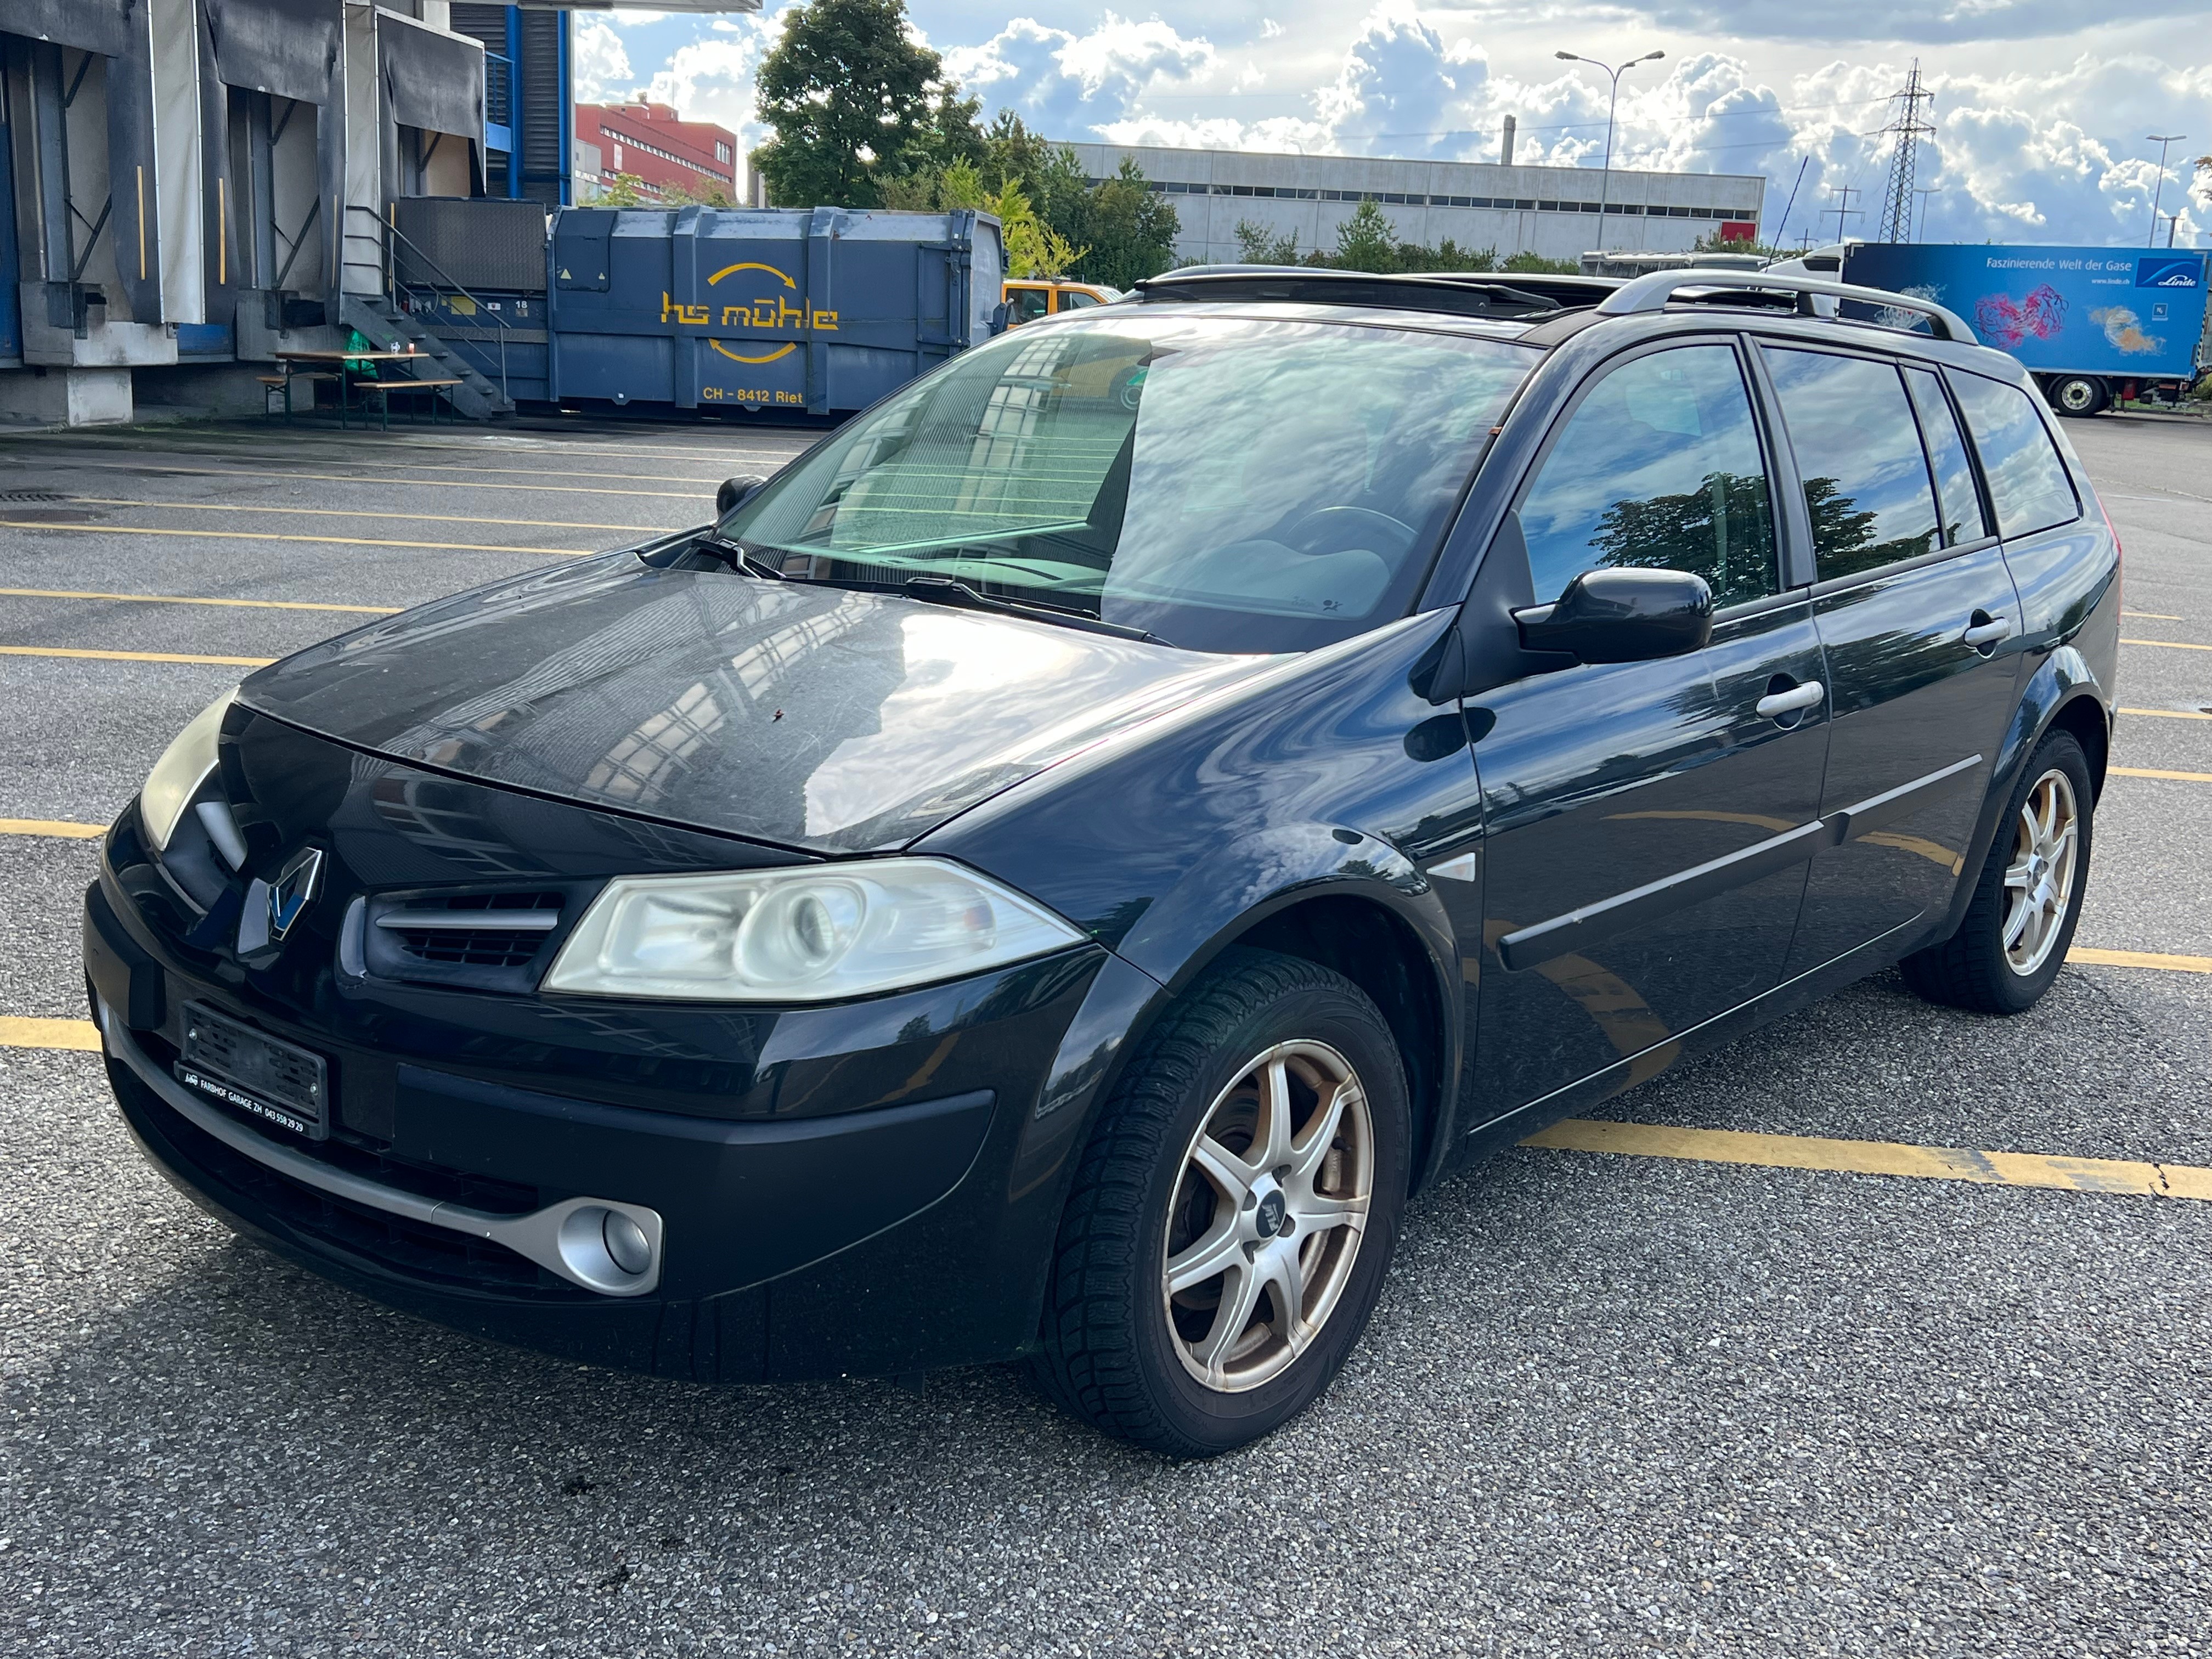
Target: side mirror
[[1000, 317], [1623, 616], [736, 492]]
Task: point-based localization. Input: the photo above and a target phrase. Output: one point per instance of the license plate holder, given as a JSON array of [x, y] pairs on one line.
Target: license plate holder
[[252, 1072]]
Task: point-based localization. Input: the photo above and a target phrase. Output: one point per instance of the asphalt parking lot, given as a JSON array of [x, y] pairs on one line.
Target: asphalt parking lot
[[1610, 1404]]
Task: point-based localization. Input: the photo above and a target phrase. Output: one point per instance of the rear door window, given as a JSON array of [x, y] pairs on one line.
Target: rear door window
[[1659, 468], [1946, 455], [2028, 483], [1859, 459]]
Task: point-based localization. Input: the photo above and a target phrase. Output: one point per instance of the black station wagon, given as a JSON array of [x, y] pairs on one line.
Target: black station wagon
[[1050, 874]]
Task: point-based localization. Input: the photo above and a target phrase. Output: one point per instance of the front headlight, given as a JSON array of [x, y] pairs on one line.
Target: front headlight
[[808, 935], [177, 776]]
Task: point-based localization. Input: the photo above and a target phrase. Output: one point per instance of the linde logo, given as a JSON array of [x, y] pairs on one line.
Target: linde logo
[[2166, 271]]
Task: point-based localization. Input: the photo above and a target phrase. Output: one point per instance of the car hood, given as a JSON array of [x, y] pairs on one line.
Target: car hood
[[809, 717]]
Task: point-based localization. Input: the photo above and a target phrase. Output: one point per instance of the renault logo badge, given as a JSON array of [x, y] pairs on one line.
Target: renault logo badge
[[294, 891]]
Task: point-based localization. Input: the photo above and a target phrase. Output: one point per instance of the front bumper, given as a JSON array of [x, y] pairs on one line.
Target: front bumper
[[891, 1239]]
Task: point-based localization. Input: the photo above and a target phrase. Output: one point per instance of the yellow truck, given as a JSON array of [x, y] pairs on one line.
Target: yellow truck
[[1030, 298]]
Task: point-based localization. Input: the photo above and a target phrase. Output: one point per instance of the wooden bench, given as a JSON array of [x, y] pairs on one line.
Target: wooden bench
[[385, 391]]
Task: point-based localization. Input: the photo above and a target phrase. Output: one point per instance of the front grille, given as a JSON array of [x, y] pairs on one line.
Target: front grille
[[471, 950], [442, 935]]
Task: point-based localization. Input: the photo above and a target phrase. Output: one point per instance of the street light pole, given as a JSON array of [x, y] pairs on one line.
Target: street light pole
[[2158, 196], [1605, 180]]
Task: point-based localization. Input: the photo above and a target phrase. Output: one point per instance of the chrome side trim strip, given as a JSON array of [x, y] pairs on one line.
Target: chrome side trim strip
[[558, 1239], [473, 922], [1893, 803], [1579, 929]]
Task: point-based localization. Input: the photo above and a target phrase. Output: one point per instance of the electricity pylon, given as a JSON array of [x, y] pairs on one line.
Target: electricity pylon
[[1909, 127]]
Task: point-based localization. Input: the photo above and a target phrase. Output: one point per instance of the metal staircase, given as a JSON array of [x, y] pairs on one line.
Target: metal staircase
[[395, 320]]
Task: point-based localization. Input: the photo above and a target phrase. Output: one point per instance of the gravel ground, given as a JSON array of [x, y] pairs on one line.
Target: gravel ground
[[1608, 1407]]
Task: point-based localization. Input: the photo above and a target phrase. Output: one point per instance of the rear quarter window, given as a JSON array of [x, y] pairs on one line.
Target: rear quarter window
[[2029, 485]]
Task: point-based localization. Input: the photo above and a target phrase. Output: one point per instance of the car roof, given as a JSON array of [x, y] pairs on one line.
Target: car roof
[[1543, 310]]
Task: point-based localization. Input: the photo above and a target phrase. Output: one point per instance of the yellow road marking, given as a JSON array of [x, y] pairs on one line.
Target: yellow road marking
[[2171, 645], [2152, 615], [53, 827], [2171, 964], [273, 536], [131, 656], [79, 1033], [705, 488], [470, 466], [2168, 713], [184, 599], [369, 513], [2158, 772], [2079, 1175]]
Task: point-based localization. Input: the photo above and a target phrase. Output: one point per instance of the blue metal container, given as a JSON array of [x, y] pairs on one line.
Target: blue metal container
[[821, 309]]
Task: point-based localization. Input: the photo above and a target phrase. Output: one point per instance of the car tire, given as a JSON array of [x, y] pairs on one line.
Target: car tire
[[2021, 920], [1263, 1047], [2078, 395]]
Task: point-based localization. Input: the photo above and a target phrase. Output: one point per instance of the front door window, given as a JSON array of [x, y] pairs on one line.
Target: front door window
[[1658, 468]]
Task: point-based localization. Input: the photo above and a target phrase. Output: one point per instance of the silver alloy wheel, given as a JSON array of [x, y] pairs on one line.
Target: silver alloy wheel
[[2040, 880], [2077, 395], [1269, 1208]]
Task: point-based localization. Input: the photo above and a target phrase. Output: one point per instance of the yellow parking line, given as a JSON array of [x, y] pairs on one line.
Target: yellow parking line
[[185, 598], [2171, 964], [2079, 1175], [131, 656], [2171, 645], [2152, 615], [2168, 713], [53, 827], [705, 486], [273, 536], [79, 1033], [2158, 772], [369, 513]]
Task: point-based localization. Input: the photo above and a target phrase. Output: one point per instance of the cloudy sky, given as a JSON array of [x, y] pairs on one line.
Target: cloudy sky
[[2040, 120]]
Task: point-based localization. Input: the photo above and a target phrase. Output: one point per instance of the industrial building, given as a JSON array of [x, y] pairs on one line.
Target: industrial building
[[669, 156], [1550, 211], [192, 186]]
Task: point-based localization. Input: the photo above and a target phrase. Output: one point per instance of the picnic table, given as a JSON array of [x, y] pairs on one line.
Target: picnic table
[[339, 366]]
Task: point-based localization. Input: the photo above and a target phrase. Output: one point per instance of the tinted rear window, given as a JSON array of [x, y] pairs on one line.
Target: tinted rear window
[[2028, 483]]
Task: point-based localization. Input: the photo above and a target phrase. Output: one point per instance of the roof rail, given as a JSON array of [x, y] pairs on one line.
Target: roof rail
[[1652, 293], [1484, 294]]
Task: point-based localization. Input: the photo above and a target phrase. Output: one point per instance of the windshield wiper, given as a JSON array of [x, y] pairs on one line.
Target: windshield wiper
[[733, 555], [948, 590]]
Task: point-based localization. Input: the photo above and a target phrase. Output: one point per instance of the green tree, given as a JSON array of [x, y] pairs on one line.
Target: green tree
[[1127, 228], [1367, 241], [854, 100], [1535, 264], [1256, 244]]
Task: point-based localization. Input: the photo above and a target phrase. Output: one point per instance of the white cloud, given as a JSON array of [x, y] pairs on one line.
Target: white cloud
[[1064, 85], [2052, 153], [600, 62]]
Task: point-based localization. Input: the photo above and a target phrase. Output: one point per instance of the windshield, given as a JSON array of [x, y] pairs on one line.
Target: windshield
[[1228, 483]]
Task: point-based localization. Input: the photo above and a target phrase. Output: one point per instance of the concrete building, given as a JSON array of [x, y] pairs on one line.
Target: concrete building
[[1550, 211], [660, 149], [192, 185]]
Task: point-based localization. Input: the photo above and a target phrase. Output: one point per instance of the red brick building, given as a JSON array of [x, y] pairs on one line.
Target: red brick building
[[650, 141]]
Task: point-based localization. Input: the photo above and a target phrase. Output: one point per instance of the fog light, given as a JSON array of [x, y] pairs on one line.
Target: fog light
[[626, 1242], [602, 1247]]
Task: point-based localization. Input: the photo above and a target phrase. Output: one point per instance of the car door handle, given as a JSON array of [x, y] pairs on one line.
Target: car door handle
[[1776, 704], [1986, 632]]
